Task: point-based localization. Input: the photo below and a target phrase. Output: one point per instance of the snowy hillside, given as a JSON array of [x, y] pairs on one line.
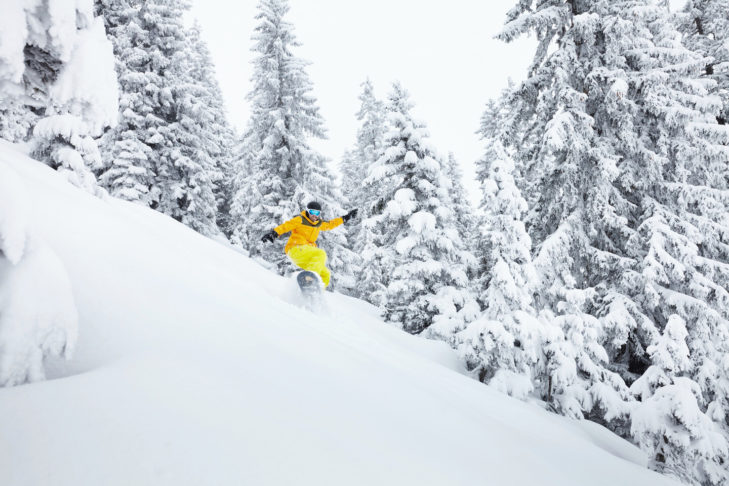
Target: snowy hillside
[[195, 366]]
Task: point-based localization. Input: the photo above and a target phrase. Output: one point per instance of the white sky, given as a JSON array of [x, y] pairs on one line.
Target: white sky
[[443, 53]]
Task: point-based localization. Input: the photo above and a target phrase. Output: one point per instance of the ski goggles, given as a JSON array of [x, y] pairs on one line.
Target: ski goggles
[[314, 212]]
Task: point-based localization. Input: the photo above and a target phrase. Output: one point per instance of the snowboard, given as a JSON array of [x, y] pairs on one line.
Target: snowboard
[[309, 282]]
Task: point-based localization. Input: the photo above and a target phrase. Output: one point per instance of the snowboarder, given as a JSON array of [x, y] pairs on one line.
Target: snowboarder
[[301, 247]]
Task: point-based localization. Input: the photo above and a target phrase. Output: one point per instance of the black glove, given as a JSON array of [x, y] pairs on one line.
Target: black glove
[[350, 215], [270, 237]]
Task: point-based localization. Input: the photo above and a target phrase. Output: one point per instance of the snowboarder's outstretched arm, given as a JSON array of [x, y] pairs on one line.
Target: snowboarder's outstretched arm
[[328, 225]]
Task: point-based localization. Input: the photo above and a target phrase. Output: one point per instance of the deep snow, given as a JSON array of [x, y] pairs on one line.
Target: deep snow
[[195, 366]]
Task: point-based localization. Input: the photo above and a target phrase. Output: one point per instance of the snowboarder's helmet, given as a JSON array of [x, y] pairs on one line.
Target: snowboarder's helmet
[[314, 205]]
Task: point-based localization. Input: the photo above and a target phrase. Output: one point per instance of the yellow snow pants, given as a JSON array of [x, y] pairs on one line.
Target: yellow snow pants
[[311, 258]]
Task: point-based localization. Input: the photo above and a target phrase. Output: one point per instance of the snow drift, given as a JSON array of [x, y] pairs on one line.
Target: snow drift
[[196, 366], [37, 311]]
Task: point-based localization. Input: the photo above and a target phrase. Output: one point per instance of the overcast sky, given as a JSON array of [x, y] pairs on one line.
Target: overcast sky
[[443, 53]]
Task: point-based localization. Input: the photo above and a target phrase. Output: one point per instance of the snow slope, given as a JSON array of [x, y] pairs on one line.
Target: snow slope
[[195, 366]]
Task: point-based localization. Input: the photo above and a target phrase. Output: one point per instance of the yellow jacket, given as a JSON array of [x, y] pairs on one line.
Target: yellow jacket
[[305, 231]]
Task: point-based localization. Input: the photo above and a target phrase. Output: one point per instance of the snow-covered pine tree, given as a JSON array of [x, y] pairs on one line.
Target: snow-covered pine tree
[[162, 153], [683, 260], [270, 183], [57, 66], [117, 15], [705, 25], [351, 172], [185, 172], [356, 164], [413, 219], [355, 167], [349, 169], [27, 70], [216, 133], [185, 179], [556, 361], [669, 419], [629, 217], [374, 273], [376, 262], [372, 116], [463, 212], [16, 120], [242, 187], [503, 345], [189, 170], [143, 51], [63, 142], [573, 369]]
